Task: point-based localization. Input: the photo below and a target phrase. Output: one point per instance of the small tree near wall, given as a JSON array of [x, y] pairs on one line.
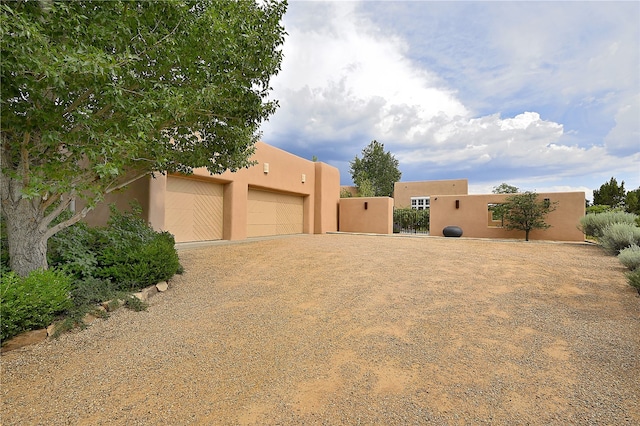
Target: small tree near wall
[[376, 172], [499, 210], [525, 212]]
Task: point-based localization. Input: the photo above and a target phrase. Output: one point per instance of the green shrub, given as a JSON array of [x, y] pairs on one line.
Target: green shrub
[[135, 304], [127, 252], [74, 250], [599, 208], [4, 247], [630, 257], [91, 291], [633, 278], [136, 264], [619, 236], [594, 224], [32, 302]]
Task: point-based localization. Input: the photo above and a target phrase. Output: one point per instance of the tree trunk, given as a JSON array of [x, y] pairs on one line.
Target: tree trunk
[[526, 234], [26, 237]]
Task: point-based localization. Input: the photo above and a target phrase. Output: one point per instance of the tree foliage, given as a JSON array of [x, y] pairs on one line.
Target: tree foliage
[[525, 212], [505, 188], [610, 194], [499, 210], [376, 168], [98, 94], [365, 186], [632, 202]]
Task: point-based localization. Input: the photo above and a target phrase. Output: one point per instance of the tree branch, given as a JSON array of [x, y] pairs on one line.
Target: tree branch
[[67, 223], [63, 204], [79, 99], [24, 158], [109, 190]]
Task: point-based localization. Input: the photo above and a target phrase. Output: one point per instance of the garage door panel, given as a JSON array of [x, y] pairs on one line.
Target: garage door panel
[[257, 230], [271, 213], [194, 209], [207, 222], [178, 222], [261, 212]]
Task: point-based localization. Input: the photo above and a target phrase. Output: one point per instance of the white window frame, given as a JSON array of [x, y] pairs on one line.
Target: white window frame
[[420, 203]]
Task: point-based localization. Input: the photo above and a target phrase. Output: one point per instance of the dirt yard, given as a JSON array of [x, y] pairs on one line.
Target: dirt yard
[[353, 329]]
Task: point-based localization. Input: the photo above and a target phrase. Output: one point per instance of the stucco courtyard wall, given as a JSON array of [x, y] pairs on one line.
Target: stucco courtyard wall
[[366, 214], [403, 191], [473, 216]]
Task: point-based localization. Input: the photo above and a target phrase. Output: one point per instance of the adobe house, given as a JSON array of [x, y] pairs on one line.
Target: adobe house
[[450, 205], [286, 194], [282, 194]]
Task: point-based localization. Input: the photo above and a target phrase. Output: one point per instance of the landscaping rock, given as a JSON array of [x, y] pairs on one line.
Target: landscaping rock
[[142, 295], [162, 286], [51, 329], [24, 339], [112, 305], [150, 291], [89, 318]]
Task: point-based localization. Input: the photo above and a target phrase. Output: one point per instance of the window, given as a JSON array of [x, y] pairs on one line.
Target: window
[[420, 203], [495, 215]]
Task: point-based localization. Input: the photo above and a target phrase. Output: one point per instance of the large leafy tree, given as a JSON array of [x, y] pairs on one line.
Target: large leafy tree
[[526, 212], [97, 94], [376, 169], [610, 194]]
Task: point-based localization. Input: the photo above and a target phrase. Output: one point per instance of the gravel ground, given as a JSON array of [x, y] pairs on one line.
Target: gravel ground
[[352, 329]]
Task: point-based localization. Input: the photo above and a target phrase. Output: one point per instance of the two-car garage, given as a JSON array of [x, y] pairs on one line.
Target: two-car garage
[[194, 211]]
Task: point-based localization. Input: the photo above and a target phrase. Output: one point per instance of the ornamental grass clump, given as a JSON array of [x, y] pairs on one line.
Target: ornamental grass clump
[[595, 224], [633, 278], [630, 257], [618, 236]]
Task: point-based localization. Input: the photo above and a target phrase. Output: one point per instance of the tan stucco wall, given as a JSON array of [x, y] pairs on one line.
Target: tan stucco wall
[[472, 216], [317, 183], [327, 198], [377, 218], [403, 191], [138, 191]]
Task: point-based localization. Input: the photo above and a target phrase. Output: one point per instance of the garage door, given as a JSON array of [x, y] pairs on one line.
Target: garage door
[[271, 213], [193, 209]]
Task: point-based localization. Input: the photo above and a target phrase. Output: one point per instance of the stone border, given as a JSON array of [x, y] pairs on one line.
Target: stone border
[[33, 337]]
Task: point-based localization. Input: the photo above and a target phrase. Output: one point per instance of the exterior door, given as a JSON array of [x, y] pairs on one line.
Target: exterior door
[[273, 213], [193, 209]]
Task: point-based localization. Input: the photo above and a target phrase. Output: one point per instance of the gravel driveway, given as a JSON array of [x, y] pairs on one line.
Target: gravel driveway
[[353, 329]]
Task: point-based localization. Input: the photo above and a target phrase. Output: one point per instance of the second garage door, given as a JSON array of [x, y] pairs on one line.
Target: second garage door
[[272, 213]]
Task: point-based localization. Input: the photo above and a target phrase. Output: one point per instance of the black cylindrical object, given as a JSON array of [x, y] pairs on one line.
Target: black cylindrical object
[[452, 231]]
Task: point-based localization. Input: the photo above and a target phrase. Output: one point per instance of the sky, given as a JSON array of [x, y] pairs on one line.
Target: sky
[[544, 96]]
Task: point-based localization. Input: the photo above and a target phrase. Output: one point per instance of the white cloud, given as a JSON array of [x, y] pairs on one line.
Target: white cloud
[[342, 73], [347, 80], [624, 138]]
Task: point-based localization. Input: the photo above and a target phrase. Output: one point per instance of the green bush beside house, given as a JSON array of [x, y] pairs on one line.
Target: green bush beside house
[[33, 301], [87, 266], [619, 234]]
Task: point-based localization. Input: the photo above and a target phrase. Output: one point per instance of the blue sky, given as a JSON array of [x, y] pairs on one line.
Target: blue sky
[[541, 95]]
